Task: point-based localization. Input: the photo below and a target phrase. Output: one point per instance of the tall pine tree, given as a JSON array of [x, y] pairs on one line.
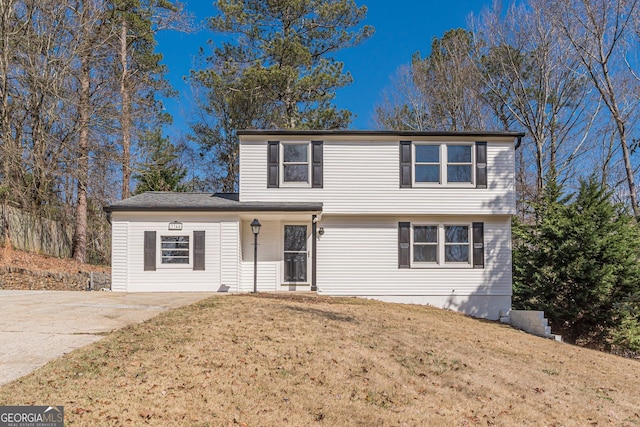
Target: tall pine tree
[[276, 71], [162, 170]]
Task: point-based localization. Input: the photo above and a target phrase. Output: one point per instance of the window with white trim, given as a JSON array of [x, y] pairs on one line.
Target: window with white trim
[[425, 244], [456, 244], [295, 164], [427, 164], [440, 244], [174, 250], [443, 164], [459, 163]]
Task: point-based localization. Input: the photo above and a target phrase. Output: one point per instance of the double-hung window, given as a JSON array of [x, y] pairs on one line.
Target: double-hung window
[[425, 244], [459, 164], [443, 164], [440, 245], [295, 164], [427, 165], [456, 244]]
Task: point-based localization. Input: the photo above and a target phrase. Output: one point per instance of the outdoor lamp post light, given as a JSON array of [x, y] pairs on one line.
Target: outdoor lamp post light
[[255, 228]]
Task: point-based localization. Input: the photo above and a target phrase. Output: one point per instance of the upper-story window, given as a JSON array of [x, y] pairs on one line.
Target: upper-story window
[[295, 163], [459, 163], [429, 167], [452, 164], [427, 164]]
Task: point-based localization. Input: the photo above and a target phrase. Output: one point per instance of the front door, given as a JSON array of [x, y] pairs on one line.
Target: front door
[[295, 253]]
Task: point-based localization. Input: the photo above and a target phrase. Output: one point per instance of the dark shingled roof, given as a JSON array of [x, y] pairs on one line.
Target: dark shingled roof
[[208, 202], [388, 133]]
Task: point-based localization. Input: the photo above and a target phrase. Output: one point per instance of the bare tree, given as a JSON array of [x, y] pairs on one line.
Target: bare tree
[[403, 105], [601, 33], [441, 91], [532, 78]]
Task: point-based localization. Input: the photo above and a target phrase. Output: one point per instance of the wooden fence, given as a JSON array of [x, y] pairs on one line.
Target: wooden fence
[[34, 234]]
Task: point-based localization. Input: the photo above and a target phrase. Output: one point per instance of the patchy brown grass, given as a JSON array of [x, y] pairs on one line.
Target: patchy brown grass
[[302, 360]]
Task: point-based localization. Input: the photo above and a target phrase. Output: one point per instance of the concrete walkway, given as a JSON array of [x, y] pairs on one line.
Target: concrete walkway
[[38, 326]]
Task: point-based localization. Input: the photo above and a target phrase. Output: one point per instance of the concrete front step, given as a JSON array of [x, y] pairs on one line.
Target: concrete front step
[[531, 321]]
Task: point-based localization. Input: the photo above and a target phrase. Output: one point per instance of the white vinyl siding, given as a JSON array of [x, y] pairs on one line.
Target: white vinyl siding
[[271, 267], [269, 256], [230, 255], [358, 256], [165, 278], [362, 177], [119, 255]]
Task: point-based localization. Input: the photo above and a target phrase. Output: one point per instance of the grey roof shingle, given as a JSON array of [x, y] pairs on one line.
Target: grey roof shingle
[[212, 202], [388, 133]]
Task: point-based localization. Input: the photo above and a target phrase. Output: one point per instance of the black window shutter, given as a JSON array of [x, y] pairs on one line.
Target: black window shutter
[[478, 245], [149, 251], [273, 164], [404, 242], [316, 164], [198, 250], [481, 165], [405, 164]]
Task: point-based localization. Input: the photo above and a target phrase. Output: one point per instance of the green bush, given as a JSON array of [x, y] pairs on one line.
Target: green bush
[[577, 259]]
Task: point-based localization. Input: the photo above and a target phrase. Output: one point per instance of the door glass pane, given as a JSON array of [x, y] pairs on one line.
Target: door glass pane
[[295, 237], [295, 152], [295, 253]]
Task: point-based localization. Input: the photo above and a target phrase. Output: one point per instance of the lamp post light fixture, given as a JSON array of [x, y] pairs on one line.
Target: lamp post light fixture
[[255, 228]]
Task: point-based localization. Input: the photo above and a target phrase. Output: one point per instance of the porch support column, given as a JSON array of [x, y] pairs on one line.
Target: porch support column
[[314, 245]]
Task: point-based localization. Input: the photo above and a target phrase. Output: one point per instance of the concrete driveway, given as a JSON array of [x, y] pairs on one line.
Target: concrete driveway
[[38, 326]]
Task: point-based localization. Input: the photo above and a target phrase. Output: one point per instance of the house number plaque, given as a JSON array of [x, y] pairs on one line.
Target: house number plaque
[[175, 225]]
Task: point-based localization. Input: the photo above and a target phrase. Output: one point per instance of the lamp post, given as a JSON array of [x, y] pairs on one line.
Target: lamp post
[[255, 228]]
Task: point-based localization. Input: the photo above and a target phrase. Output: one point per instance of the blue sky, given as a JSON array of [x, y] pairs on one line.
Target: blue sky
[[402, 28]]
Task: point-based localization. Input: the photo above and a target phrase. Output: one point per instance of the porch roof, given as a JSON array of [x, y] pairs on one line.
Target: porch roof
[[204, 202]]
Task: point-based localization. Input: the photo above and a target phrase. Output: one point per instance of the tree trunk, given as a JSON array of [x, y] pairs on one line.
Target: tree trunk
[[125, 114], [9, 147], [633, 197], [80, 237]]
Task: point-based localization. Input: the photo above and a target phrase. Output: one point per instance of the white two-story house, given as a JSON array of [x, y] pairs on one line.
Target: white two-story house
[[413, 217]]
